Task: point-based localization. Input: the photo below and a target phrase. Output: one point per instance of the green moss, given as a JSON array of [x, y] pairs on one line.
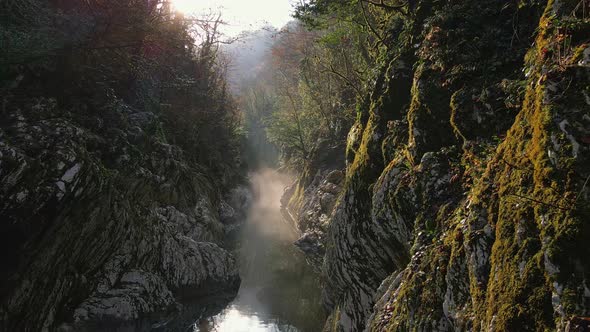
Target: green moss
[[522, 211], [332, 321], [530, 187]]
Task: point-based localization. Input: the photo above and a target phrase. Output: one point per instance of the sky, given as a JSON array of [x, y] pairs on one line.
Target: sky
[[241, 15]]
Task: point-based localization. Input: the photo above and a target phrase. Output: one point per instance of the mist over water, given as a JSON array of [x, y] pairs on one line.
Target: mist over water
[[279, 291], [265, 216]]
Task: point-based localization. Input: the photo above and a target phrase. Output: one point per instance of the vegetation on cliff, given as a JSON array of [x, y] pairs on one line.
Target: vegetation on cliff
[[441, 146], [118, 143], [466, 176]]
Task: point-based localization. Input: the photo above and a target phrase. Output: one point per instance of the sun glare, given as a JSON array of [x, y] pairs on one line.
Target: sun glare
[[240, 15], [184, 6]]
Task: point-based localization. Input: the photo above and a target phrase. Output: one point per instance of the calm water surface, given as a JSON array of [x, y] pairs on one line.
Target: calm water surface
[[279, 291]]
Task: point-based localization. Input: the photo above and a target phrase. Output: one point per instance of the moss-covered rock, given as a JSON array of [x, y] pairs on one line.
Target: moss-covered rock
[[478, 220]]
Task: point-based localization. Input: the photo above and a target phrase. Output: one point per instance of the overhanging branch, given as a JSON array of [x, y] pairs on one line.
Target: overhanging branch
[[382, 4]]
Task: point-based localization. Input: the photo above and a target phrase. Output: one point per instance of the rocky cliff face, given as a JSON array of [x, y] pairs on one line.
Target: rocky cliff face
[[465, 201], [309, 202], [102, 222]]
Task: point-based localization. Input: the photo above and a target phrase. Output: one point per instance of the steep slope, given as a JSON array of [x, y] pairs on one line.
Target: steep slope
[[309, 202], [110, 215], [465, 200], [101, 225]]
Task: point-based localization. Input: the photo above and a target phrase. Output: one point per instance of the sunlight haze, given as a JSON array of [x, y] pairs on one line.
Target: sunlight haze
[[240, 15]]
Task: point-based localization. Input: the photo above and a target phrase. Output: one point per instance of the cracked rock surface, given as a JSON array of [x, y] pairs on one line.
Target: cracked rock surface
[[102, 224]]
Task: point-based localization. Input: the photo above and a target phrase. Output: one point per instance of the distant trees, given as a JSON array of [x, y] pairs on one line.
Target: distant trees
[[258, 102], [323, 65], [315, 78], [136, 51]]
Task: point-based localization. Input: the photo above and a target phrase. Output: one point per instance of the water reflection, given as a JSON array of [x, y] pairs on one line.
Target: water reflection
[[235, 319], [279, 291]]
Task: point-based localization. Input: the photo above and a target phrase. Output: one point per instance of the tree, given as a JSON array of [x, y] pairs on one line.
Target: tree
[[136, 52], [314, 78]]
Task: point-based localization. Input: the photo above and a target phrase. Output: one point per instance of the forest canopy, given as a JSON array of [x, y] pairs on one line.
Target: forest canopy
[[138, 53]]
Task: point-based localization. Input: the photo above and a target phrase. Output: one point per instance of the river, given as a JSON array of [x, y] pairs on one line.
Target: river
[[279, 290]]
